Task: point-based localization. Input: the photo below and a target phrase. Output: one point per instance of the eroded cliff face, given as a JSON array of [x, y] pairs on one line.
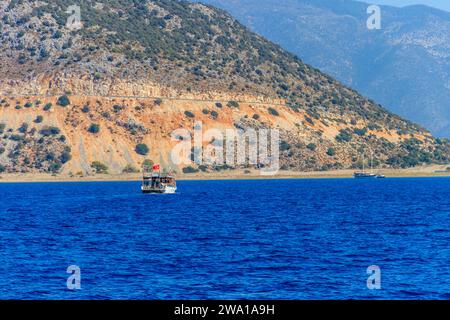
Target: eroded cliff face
[[137, 70], [126, 115]]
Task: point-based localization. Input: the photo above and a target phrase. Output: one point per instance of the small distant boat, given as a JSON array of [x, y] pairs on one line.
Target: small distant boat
[[155, 182], [368, 175]]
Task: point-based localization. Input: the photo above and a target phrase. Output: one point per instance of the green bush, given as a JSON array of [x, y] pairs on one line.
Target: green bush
[[360, 132], [2, 168], [2, 127], [219, 105], [205, 111], [256, 116], [142, 149], [99, 167], [331, 152], [312, 146], [47, 107], [2, 150], [55, 167], [63, 101], [85, 109], [158, 102], [344, 136], [94, 128], [39, 119], [28, 105]]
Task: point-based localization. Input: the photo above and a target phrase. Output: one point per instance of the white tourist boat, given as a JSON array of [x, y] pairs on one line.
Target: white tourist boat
[[155, 182]]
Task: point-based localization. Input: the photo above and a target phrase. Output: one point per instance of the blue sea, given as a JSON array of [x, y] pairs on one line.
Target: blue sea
[[264, 239]]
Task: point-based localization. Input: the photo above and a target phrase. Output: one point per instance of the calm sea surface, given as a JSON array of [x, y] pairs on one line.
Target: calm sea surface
[[292, 239]]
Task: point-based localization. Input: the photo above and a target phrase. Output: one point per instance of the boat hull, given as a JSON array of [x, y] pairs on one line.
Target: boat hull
[[167, 190], [368, 176]]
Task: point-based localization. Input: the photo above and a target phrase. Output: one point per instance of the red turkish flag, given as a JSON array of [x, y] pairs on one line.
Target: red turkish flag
[[156, 167]]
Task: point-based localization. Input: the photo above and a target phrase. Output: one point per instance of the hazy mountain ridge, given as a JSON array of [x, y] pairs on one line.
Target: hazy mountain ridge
[[382, 64], [138, 70]]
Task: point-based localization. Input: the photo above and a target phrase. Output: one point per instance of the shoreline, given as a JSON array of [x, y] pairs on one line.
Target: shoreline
[[417, 172]]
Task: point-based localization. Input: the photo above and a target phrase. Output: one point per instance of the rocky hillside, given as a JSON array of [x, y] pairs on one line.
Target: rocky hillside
[[405, 66], [107, 96]]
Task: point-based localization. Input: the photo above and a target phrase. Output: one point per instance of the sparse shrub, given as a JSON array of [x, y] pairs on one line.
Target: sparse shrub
[[99, 167], [233, 104], [2, 168], [55, 167], [47, 107], [373, 126], [85, 109], [94, 128], [49, 131], [106, 115], [50, 156], [2, 127], [28, 105], [219, 105], [63, 101], [23, 128], [148, 163], [205, 111], [189, 114], [312, 146], [256, 116], [158, 101], [65, 157], [130, 169], [214, 115], [284, 146], [16, 137], [273, 112], [309, 120], [2, 150], [360, 132], [117, 108], [39, 119], [189, 169], [142, 149]]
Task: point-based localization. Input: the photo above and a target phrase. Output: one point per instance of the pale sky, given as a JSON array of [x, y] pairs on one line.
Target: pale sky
[[441, 4]]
